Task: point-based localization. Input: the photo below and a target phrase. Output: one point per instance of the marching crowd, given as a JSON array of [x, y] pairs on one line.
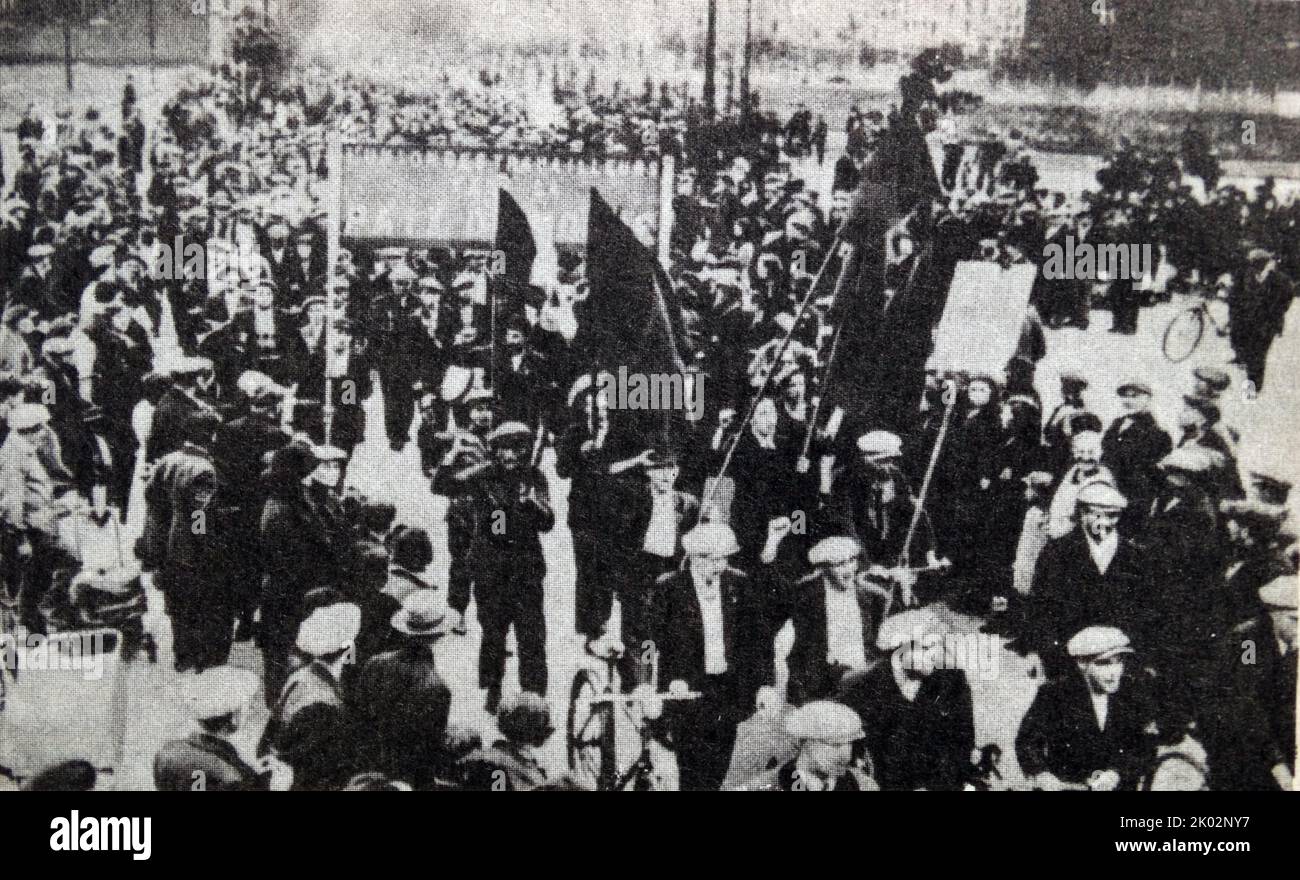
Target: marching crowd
[[1134, 562]]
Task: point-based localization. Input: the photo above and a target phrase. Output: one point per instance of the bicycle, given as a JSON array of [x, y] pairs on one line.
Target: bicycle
[[591, 727], [1186, 329]]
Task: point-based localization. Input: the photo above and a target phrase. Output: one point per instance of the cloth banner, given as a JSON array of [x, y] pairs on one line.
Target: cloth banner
[[980, 328]]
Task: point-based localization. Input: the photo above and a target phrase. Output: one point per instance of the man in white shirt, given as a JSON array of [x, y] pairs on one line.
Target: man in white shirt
[[835, 615], [713, 637]]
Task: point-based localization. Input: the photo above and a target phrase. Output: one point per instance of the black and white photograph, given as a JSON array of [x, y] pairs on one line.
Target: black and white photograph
[[649, 395]]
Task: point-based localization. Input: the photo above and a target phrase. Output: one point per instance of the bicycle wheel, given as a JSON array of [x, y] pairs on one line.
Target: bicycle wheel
[[589, 728], [1183, 334]]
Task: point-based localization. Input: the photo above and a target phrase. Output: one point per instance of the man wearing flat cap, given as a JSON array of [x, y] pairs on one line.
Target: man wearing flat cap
[[1133, 446], [1090, 728], [1253, 529], [915, 707], [1188, 558], [1069, 417], [1092, 574], [206, 758], [32, 475], [401, 700], [1200, 426], [712, 638], [825, 733], [310, 728], [835, 614], [1257, 308], [874, 502], [1250, 735], [511, 510]]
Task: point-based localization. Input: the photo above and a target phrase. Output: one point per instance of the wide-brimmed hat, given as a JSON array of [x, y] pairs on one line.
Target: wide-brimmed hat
[[423, 615]]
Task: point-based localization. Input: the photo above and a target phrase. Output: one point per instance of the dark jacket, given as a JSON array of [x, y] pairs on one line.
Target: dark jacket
[[1059, 733], [1069, 593], [746, 638], [1251, 727], [402, 704], [310, 730], [301, 550], [811, 676], [1131, 447], [923, 743]]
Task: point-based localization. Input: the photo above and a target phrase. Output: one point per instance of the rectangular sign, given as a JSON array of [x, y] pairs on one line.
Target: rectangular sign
[[449, 197], [981, 323]]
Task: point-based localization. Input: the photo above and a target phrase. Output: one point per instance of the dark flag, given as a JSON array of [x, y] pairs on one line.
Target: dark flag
[[632, 316], [514, 240], [632, 319], [509, 271], [884, 337]]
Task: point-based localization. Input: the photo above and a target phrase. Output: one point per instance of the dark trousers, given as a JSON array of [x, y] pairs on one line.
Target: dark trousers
[[28, 576], [203, 623], [593, 589], [705, 734], [952, 154], [509, 591], [460, 537], [399, 401], [637, 599]]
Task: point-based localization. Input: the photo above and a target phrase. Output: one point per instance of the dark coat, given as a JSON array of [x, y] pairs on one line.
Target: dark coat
[[811, 676], [169, 418], [746, 638], [1070, 593], [1131, 447], [310, 730], [179, 490], [1251, 727], [925, 743], [402, 704], [206, 760], [301, 550], [1059, 733]]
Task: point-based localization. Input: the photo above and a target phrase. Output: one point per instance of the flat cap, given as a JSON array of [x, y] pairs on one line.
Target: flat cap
[[880, 444], [509, 432], [834, 550], [907, 626], [1190, 460], [1252, 512], [824, 721], [1101, 495], [1098, 642], [710, 539]]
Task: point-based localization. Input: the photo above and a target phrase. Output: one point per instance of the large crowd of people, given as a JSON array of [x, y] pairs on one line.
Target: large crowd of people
[[1133, 562]]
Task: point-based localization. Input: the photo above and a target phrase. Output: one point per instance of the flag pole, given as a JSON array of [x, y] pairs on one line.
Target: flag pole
[[334, 232], [771, 372]]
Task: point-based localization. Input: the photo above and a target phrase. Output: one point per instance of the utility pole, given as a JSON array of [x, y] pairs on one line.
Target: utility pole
[[153, 44], [67, 43], [710, 60], [744, 73]]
